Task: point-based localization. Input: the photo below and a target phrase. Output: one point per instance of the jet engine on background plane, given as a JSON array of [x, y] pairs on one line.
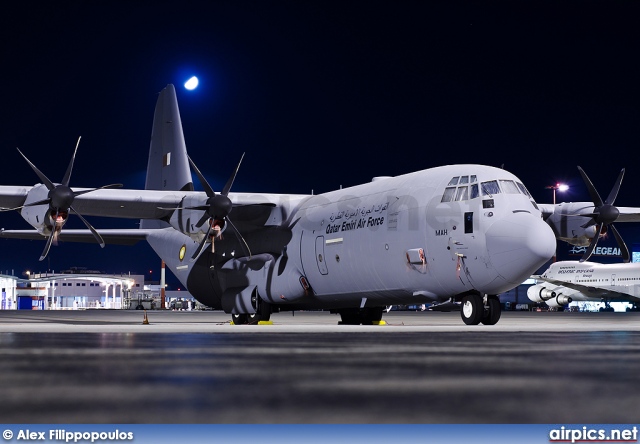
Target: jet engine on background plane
[[551, 296]]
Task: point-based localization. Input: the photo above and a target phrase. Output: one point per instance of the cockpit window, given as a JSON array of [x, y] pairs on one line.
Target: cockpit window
[[474, 191], [462, 193], [449, 192], [509, 187], [458, 188], [523, 189], [490, 188]]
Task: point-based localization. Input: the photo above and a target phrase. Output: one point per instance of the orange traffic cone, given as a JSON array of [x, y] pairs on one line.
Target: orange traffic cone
[[145, 320]]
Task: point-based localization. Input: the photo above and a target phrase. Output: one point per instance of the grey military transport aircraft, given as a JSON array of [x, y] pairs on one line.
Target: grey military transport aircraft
[[455, 235]]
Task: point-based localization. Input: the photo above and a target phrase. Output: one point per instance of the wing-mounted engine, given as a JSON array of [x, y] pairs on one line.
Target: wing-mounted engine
[[568, 225], [187, 217], [213, 214], [48, 205], [583, 224], [40, 216], [553, 296]]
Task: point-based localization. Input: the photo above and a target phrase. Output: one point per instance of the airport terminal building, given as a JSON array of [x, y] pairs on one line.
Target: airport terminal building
[[69, 290]]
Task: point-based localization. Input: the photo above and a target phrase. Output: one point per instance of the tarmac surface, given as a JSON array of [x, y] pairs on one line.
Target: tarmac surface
[[100, 366]]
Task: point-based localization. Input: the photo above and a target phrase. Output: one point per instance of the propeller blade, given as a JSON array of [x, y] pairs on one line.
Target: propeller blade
[[88, 225], [67, 175], [595, 197], [202, 244], [200, 208], [205, 217], [614, 191], [592, 245], [47, 247], [203, 181], [32, 204], [113, 185], [245, 247], [624, 251], [45, 180], [229, 183]]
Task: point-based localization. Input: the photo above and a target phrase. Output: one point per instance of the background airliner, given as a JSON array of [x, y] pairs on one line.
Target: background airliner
[[568, 281]]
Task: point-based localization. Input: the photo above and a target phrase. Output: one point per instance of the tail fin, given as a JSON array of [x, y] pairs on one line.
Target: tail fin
[[168, 165]]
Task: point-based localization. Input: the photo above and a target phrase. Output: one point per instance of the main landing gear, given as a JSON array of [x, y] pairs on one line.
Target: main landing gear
[[262, 314], [476, 309], [364, 316]]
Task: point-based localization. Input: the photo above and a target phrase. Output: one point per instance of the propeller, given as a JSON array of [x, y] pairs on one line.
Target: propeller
[[603, 216], [216, 211], [60, 199]]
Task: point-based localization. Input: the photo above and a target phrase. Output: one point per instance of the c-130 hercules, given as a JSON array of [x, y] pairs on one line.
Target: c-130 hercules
[[451, 234]]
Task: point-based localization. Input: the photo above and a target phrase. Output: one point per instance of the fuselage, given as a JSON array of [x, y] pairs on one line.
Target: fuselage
[[422, 237]]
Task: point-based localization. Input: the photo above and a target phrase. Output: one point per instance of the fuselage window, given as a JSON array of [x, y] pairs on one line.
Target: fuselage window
[[462, 193], [490, 188], [453, 181], [509, 187], [474, 179], [464, 180], [474, 191], [449, 192]]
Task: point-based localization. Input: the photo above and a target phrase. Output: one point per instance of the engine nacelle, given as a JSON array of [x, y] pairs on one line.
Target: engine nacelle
[[559, 301], [185, 219], [567, 226], [539, 293], [41, 217], [551, 296]]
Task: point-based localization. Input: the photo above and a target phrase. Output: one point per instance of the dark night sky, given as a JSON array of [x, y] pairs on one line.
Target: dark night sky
[[319, 94]]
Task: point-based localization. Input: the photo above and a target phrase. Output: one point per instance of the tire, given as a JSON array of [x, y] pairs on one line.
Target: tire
[[472, 309], [262, 308], [491, 315], [239, 319]]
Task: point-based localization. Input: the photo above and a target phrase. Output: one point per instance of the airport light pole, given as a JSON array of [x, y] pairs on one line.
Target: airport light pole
[[562, 188]]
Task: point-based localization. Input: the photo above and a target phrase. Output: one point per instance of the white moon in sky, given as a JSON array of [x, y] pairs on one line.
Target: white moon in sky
[[192, 83]]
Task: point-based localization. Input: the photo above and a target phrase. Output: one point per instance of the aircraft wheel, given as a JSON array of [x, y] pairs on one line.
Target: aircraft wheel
[[372, 316], [239, 318], [262, 308], [492, 313], [472, 309]]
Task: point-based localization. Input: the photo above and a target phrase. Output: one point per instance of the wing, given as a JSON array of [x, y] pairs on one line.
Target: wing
[[12, 196], [628, 214], [589, 290], [110, 236]]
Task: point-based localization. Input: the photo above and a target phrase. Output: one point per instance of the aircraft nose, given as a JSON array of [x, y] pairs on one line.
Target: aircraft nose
[[519, 244]]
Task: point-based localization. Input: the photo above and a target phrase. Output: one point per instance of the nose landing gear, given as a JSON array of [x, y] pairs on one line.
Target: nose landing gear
[[476, 309]]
